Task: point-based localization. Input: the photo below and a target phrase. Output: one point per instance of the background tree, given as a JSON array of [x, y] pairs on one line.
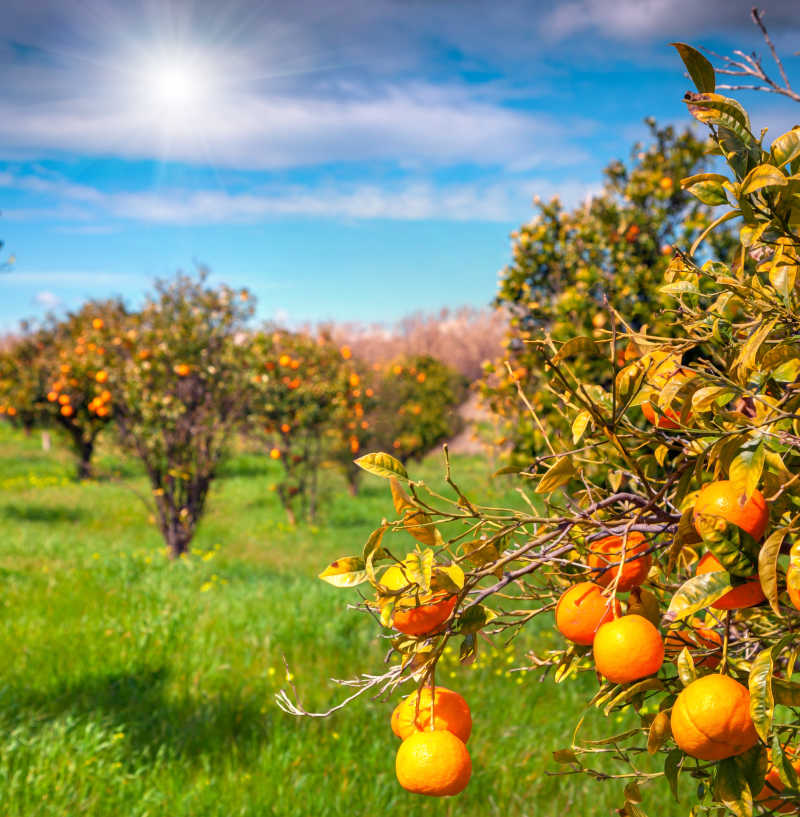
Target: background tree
[[180, 387], [417, 406], [570, 267]]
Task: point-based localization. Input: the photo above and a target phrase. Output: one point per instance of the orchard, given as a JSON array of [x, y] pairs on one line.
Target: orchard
[[660, 540]]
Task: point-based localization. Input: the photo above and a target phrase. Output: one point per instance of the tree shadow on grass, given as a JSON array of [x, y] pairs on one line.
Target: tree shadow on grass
[[42, 513], [137, 703]]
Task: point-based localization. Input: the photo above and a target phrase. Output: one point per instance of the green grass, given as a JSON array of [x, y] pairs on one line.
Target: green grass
[[133, 686]]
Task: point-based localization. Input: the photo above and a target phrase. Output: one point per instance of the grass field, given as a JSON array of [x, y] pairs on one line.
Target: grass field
[[133, 686]]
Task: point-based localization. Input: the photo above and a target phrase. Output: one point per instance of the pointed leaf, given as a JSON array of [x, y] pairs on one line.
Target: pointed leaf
[[696, 594], [762, 176], [700, 69], [730, 788], [382, 465], [579, 425], [558, 474], [658, 733], [762, 702], [474, 618], [786, 148], [745, 469], [345, 572], [672, 768], [686, 670], [768, 567]]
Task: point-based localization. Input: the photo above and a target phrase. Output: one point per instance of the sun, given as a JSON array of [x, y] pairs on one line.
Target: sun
[[176, 83]]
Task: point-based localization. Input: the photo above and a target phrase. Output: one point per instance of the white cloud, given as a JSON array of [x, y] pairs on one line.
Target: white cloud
[[47, 300], [247, 130], [501, 200]]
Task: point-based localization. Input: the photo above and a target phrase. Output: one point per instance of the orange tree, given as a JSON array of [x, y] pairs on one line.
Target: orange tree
[[179, 388], [58, 375], [696, 650], [570, 266], [302, 389], [416, 408]]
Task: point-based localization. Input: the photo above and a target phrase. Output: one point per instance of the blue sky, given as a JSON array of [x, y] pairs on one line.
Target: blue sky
[[345, 160]]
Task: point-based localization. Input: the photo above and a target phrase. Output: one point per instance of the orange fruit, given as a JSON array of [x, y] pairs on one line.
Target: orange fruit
[[627, 649], [182, 369], [423, 613], [450, 712], [52, 396], [743, 595], [581, 610], [607, 553], [664, 418], [101, 376], [66, 410], [793, 585], [711, 718], [721, 501], [773, 785], [97, 323], [434, 763], [275, 454], [696, 638]]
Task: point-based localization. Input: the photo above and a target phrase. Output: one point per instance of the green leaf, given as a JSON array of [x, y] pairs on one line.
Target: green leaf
[[419, 569], [382, 465], [765, 175], [345, 572], [632, 792], [786, 148], [786, 693], [682, 287], [672, 768], [710, 193], [700, 69], [449, 578], [768, 567], [762, 702], [686, 670], [730, 788], [558, 474], [746, 467], [696, 594], [474, 618], [373, 551], [722, 112]]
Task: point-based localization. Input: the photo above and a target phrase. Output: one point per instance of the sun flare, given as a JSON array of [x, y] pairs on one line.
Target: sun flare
[[177, 83]]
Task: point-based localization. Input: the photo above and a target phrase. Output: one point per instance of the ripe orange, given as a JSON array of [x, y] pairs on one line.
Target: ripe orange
[[66, 410], [607, 553], [581, 610], [450, 712], [97, 323], [424, 613], [52, 396], [275, 454], [433, 763], [627, 649], [720, 502], [706, 642], [793, 585], [181, 369], [773, 785], [711, 718], [101, 376], [744, 595], [664, 418]]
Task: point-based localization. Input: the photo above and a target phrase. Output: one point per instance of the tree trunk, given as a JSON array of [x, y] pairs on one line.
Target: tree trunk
[[85, 450], [178, 538]]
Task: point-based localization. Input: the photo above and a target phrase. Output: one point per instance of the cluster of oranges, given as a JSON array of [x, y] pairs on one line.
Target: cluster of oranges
[[710, 719], [434, 725]]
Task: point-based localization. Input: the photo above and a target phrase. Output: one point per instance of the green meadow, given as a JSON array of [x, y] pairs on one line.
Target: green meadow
[[132, 686]]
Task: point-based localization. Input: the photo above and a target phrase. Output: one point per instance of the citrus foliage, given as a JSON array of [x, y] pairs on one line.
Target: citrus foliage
[[570, 267], [307, 404], [416, 407], [684, 450]]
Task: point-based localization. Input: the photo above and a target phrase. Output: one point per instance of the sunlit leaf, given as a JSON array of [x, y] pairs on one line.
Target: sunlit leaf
[[382, 465], [345, 572], [762, 702], [762, 176], [697, 593], [558, 474], [768, 567]]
